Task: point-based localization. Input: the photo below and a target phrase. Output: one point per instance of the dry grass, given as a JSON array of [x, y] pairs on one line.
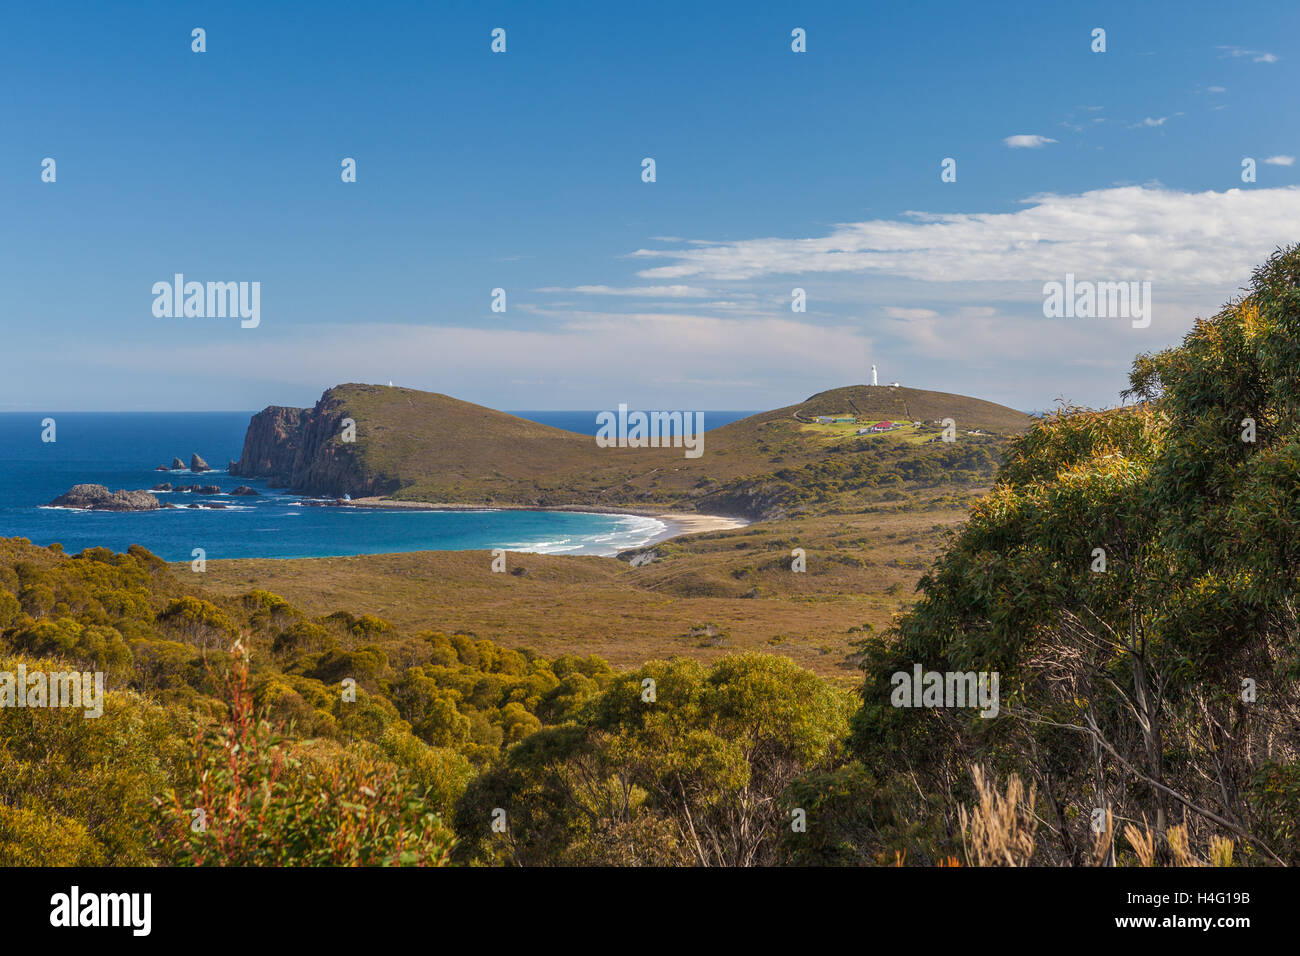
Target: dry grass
[[1146, 844], [706, 596], [999, 831]]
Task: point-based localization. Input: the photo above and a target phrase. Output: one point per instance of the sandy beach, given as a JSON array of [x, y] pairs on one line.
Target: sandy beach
[[677, 522]]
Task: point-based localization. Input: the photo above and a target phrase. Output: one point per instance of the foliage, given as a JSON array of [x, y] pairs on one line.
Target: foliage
[[247, 797], [1161, 687], [691, 768]]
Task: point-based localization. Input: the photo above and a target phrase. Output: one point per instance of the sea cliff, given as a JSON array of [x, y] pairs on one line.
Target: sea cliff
[[303, 450]]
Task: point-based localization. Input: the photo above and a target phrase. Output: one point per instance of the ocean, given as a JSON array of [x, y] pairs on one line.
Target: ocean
[[122, 449]]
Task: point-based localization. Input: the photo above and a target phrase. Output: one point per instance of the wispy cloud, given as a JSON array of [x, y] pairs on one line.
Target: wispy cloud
[[1027, 141], [1255, 56], [1280, 161], [1154, 122], [898, 312], [641, 292], [654, 353], [1201, 239]]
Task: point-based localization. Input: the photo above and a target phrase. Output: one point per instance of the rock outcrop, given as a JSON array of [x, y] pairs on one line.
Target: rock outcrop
[[99, 498], [301, 449], [245, 491], [197, 464], [178, 465], [165, 486], [758, 499], [271, 444]]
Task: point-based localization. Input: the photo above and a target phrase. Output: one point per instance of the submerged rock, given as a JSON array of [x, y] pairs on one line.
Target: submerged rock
[[99, 498], [246, 491], [165, 486]]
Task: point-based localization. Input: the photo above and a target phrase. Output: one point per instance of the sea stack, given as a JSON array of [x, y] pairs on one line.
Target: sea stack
[[99, 498], [178, 464], [197, 464]]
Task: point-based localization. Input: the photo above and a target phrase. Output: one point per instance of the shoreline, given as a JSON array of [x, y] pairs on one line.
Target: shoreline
[[676, 523]]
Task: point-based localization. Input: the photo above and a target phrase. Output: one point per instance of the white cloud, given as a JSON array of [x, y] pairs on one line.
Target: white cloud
[[1280, 161], [1028, 141], [1154, 122], [642, 292], [897, 312], [586, 357], [1256, 56], [1207, 239]]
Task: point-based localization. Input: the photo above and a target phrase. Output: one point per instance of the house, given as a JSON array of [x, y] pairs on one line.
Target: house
[[823, 420], [883, 427], [841, 421]]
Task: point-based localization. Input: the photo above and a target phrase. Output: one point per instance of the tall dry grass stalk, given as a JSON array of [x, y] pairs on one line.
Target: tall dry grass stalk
[[999, 831], [1143, 841]]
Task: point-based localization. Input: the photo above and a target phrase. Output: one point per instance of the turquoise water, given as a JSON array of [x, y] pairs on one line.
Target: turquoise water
[[121, 450]]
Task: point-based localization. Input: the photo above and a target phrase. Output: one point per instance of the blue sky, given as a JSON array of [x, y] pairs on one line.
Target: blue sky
[[522, 170]]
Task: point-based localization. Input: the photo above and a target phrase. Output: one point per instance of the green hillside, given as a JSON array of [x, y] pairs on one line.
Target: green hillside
[[424, 446]]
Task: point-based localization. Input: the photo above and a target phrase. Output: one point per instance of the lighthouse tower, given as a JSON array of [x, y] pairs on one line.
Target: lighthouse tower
[[873, 375]]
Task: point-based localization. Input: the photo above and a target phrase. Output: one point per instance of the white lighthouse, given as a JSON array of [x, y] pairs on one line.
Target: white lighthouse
[[873, 375]]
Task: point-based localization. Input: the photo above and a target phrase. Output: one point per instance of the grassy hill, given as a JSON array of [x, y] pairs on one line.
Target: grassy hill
[[424, 446], [883, 402]]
